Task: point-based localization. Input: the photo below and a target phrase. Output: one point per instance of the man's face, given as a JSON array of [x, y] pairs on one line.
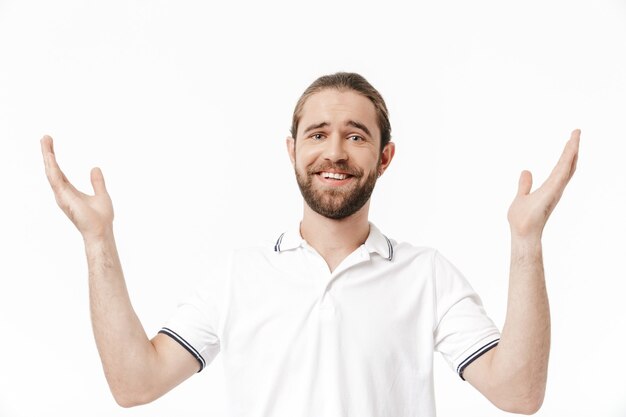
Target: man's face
[[336, 154]]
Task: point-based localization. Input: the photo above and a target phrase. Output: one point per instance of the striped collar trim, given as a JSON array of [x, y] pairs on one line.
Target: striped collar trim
[[376, 242], [289, 240]]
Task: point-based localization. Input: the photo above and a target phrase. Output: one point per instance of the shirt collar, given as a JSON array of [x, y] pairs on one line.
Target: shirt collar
[[379, 243], [376, 242], [289, 240]]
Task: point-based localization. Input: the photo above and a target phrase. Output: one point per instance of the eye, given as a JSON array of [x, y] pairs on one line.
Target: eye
[[355, 138], [317, 136]]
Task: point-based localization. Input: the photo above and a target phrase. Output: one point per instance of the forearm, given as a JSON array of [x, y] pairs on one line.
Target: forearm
[[138, 370], [520, 362], [124, 348], [513, 375]]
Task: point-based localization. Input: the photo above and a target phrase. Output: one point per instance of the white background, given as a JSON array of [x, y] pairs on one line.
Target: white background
[[185, 106]]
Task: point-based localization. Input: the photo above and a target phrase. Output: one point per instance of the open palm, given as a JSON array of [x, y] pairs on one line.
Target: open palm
[[91, 214], [529, 212]]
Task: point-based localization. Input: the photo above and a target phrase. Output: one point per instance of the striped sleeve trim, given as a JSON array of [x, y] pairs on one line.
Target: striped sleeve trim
[[186, 345], [471, 358]]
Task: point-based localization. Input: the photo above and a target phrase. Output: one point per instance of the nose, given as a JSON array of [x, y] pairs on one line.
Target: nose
[[335, 149]]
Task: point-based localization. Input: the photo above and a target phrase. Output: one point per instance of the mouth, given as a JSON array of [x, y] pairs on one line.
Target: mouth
[[334, 178], [334, 175]]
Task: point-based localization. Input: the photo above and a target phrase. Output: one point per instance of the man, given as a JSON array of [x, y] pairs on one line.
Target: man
[[335, 319]]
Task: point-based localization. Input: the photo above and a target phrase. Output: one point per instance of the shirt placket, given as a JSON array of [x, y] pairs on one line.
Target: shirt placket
[[330, 368]]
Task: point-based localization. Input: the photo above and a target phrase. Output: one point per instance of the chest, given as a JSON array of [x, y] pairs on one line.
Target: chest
[[365, 309]]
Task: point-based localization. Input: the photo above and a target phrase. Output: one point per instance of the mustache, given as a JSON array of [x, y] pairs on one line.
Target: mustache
[[339, 166]]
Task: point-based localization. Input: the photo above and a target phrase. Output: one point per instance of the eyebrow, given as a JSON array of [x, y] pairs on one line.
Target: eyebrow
[[352, 123], [315, 126], [359, 125]]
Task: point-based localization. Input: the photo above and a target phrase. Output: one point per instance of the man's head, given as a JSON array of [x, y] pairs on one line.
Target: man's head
[[347, 81], [340, 144]]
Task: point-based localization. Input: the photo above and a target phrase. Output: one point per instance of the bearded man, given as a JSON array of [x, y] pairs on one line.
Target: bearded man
[[334, 318]]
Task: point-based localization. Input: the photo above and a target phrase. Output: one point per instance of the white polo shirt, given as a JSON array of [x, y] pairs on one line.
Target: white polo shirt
[[300, 341]]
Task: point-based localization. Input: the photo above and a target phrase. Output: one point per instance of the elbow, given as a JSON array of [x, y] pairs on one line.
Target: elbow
[[526, 405], [126, 401], [128, 398], [532, 405], [526, 409], [521, 393]]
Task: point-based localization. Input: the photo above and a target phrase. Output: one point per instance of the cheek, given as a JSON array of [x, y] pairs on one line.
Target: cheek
[[367, 158], [306, 156]]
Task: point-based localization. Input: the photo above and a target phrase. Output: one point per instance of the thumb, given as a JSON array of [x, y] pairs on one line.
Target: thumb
[[525, 183], [97, 181]]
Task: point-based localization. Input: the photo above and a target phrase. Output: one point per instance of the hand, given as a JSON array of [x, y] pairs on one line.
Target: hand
[[92, 215], [529, 212]]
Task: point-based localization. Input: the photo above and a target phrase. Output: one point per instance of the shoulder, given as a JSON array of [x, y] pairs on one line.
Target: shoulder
[[408, 252], [426, 259]]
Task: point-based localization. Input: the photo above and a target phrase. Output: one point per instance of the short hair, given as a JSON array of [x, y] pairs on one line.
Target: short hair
[[347, 81]]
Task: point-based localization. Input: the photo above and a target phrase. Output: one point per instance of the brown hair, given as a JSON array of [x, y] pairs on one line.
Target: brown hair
[[347, 81]]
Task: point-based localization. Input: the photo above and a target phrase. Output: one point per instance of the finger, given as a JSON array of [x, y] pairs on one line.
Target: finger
[[56, 178], [52, 168], [46, 148], [97, 181], [525, 183], [576, 138], [573, 168], [570, 152], [564, 169]]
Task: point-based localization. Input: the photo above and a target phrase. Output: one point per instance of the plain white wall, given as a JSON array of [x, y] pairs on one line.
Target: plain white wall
[[185, 107]]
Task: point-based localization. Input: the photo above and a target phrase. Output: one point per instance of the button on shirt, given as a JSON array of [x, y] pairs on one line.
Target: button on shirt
[[298, 340]]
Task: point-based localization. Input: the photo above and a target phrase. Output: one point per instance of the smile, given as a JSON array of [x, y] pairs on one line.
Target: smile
[[334, 175]]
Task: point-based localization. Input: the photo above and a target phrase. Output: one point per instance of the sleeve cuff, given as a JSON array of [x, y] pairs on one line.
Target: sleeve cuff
[[477, 354], [186, 345]]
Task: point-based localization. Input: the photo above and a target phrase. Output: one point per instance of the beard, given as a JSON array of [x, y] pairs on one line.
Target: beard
[[337, 203]]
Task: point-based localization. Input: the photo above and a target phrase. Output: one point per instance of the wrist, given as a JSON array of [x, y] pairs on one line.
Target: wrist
[[525, 233], [526, 250], [529, 240], [99, 236]]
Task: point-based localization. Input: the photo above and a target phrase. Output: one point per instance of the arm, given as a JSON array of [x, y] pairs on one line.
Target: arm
[[137, 369], [513, 375]]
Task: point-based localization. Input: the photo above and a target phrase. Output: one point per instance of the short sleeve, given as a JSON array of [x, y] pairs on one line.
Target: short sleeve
[[463, 331], [195, 323]]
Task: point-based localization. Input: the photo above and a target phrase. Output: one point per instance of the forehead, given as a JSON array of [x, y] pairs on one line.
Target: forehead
[[336, 107]]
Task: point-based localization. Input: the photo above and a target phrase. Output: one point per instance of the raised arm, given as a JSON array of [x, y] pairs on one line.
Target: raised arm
[[137, 369], [513, 375]]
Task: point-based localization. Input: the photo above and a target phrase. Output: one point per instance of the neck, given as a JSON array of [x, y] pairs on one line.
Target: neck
[[335, 239]]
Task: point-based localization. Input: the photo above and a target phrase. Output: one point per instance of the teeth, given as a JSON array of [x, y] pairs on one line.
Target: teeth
[[334, 175]]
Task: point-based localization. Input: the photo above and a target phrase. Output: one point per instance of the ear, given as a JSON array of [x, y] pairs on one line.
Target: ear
[[291, 149], [387, 155]]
